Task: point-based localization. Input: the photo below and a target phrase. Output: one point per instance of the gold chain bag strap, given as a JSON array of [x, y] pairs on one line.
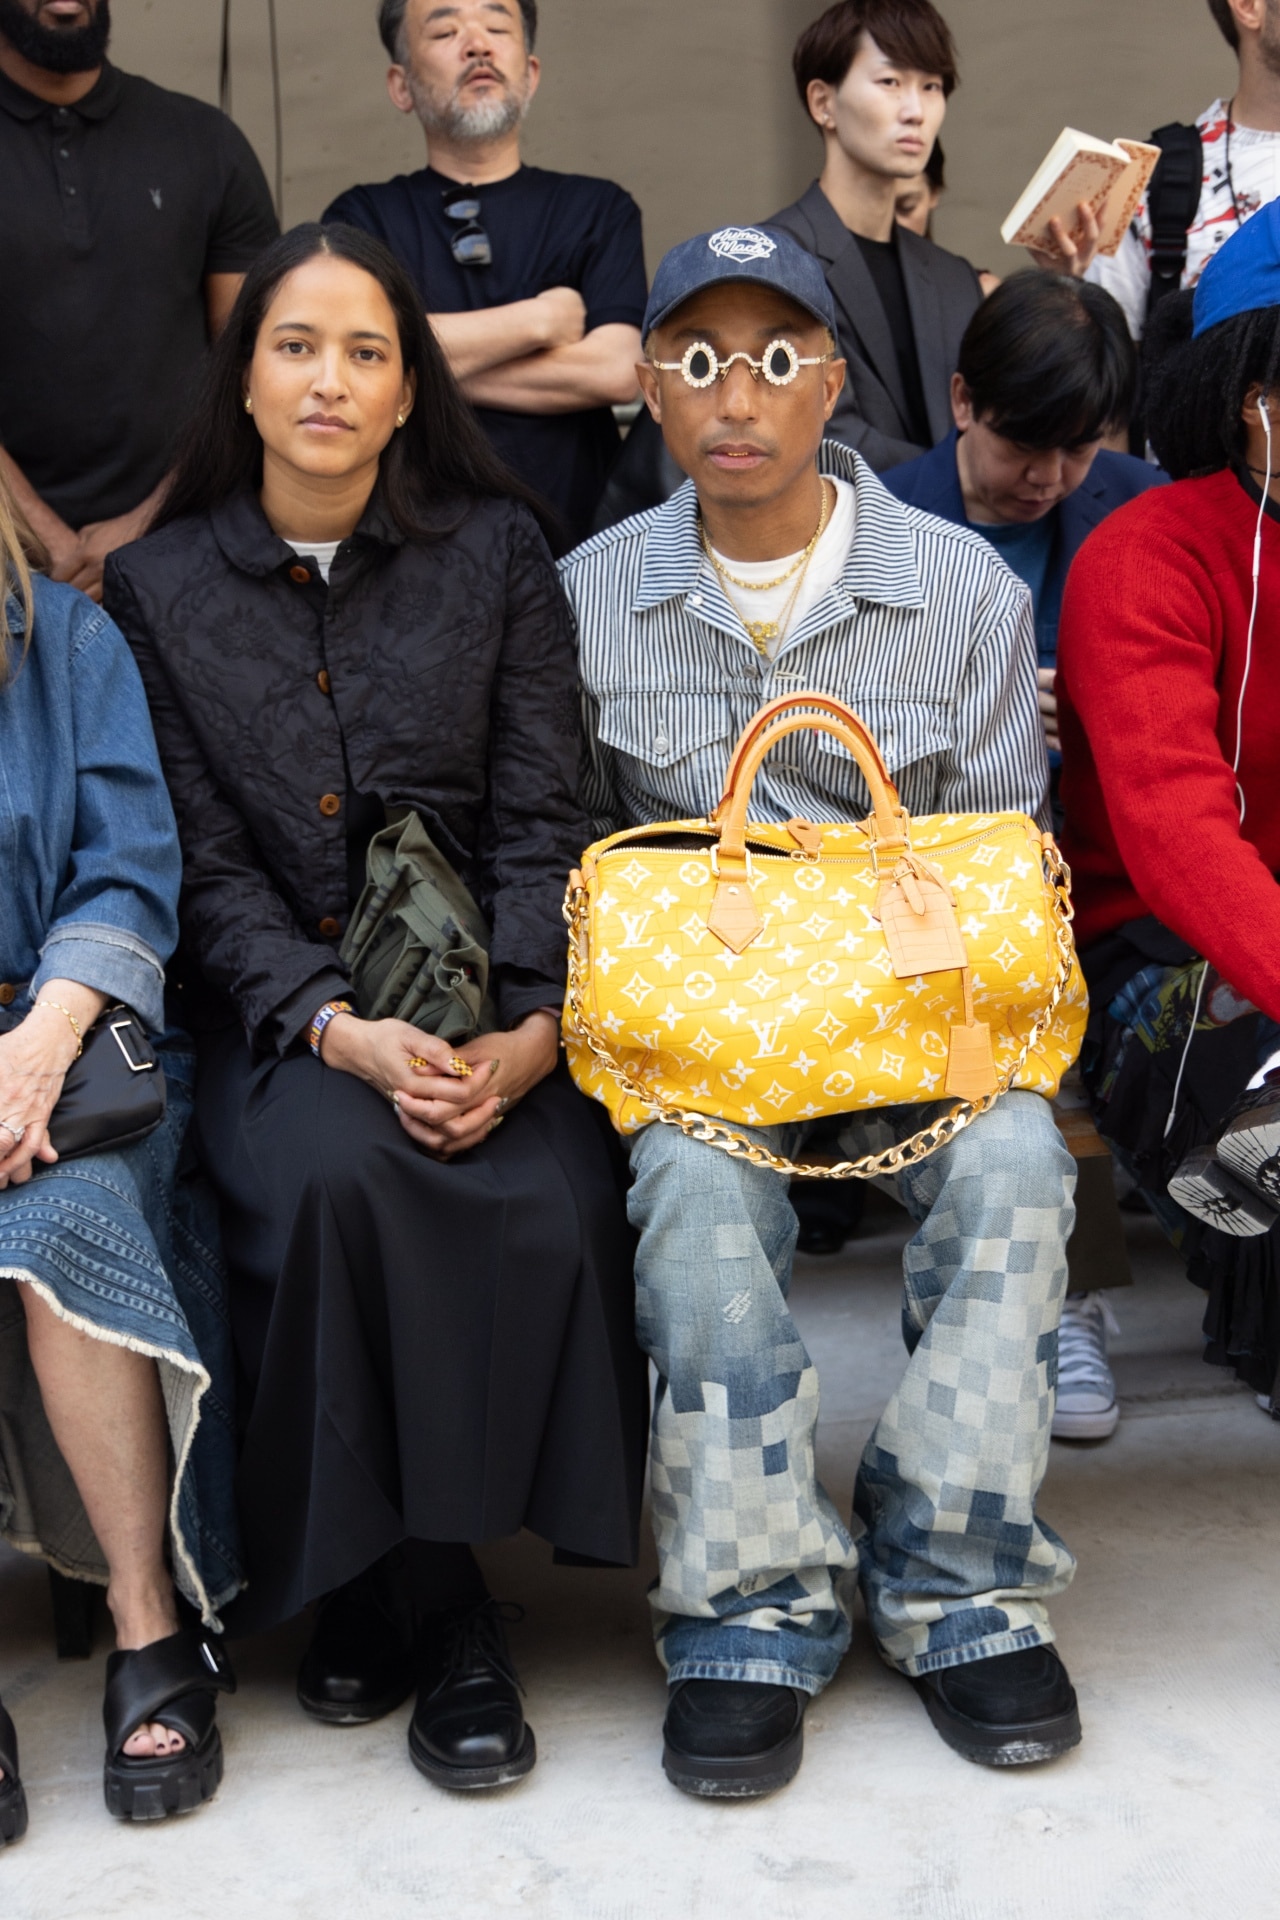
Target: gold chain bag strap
[[722, 972]]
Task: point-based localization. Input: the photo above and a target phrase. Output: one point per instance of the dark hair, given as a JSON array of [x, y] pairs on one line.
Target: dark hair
[[911, 32], [935, 168], [1195, 389], [438, 456], [1048, 361], [1226, 23], [391, 19]]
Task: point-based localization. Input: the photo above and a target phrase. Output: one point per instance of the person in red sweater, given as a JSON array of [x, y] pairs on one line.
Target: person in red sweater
[[1169, 702]]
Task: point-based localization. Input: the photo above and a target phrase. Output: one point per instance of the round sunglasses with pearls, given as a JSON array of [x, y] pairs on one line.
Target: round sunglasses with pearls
[[701, 366]]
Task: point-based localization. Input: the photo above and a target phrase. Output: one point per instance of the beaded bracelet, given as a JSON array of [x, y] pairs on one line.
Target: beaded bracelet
[[329, 1011]]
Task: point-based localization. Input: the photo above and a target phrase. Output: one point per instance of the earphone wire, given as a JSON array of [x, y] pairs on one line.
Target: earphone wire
[[1264, 414]]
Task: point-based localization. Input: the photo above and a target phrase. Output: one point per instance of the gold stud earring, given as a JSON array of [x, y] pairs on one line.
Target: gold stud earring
[[401, 418], [248, 404]]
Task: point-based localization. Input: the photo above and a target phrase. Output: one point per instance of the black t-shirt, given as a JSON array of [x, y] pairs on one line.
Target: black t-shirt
[[547, 230], [885, 267], [113, 212]]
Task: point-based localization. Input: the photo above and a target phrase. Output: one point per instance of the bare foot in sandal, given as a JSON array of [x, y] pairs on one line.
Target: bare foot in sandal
[[140, 1619]]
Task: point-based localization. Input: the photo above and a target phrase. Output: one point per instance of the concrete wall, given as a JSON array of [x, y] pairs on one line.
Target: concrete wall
[[689, 103]]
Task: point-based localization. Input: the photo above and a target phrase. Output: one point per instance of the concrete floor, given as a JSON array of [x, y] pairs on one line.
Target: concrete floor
[[1171, 1633]]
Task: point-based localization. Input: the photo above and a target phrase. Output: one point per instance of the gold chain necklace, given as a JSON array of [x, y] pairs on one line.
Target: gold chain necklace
[[762, 632]]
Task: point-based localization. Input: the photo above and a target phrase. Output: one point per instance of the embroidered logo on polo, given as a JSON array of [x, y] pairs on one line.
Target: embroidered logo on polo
[[742, 244], [819, 1016]]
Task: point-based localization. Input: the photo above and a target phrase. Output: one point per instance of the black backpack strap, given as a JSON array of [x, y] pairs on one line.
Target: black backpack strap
[[1173, 200]]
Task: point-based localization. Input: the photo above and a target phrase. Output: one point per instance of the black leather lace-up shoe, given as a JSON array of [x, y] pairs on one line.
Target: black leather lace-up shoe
[[1007, 1711], [359, 1665], [468, 1728], [733, 1739]]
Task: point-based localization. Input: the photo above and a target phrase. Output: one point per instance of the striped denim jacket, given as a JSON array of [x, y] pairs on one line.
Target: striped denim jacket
[[927, 634]]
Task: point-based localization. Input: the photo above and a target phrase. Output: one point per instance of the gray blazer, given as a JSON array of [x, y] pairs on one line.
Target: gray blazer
[[943, 291]]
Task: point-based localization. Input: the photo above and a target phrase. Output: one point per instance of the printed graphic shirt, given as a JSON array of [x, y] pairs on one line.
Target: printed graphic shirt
[[1254, 174]]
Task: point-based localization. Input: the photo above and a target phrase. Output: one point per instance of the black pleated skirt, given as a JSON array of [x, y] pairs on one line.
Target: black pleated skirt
[[431, 1351]]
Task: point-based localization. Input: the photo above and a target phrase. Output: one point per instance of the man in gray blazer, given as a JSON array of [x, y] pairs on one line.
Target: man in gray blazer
[[875, 75]]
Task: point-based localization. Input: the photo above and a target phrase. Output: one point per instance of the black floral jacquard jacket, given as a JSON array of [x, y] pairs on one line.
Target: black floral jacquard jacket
[[436, 675]]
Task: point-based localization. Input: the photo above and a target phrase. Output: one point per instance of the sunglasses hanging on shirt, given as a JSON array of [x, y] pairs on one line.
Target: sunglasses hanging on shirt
[[471, 245]]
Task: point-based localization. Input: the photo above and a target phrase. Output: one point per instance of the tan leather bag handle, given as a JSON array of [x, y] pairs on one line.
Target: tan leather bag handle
[[731, 814], [787, 703]]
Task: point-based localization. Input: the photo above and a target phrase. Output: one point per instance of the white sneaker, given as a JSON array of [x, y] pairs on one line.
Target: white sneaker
[[1086, 1408]]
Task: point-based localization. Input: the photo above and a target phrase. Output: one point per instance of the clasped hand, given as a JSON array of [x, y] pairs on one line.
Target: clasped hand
[[442, 1111]]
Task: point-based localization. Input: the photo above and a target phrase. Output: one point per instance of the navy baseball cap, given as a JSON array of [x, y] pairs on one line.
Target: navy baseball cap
[[739, 253], [1243, 275]]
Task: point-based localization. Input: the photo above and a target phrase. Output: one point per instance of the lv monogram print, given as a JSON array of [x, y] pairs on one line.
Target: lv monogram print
[[810, 1019]]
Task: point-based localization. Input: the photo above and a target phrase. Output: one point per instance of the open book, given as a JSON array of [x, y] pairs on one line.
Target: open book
[[1110, 174]]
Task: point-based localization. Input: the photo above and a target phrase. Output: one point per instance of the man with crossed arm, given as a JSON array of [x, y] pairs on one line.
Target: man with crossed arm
[[923, 629], [533, 281]]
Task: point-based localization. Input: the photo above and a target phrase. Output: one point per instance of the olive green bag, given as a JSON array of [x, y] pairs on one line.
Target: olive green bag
[[417, 947]]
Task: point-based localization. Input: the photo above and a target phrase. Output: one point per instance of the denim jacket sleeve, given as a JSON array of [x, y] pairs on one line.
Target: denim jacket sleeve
[[115, 916]]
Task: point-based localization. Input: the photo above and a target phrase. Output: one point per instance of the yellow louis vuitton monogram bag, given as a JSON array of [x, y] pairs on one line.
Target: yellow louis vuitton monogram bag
[[725, 973]]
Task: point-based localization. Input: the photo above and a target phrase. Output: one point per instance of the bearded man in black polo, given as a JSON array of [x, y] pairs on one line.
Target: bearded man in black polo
[[129, 217]]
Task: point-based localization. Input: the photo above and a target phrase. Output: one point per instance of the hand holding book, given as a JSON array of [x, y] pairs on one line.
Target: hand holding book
[[1071, 250], [1080, 199]]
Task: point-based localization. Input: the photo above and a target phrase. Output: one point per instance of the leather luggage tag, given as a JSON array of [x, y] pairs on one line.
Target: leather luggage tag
[[921, 929], [971, 1067], [734, 917], [806, 836]]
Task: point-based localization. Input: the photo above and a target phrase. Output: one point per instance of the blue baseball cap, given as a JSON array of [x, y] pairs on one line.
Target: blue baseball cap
[[1243, 275], [739, 253]]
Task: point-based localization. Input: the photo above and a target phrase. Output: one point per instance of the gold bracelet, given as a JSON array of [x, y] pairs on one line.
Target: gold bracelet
[[75, 1024]]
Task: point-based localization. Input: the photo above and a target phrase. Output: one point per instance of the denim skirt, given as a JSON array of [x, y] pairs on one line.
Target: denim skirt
[[123, 1246]]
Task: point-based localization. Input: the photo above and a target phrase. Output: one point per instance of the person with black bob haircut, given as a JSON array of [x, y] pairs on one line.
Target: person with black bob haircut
[[1046, 370], [1170, 698], [348, 622]]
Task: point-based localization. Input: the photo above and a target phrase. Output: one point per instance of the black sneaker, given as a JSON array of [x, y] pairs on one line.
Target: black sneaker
[[468, 1728], [1233, 1183], [1249, 1142], [733, 1739], [1210, 1191], [1006, 1711]]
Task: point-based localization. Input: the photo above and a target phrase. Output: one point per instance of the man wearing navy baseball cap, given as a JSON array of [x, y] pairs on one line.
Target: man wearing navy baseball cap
[[783, 566]]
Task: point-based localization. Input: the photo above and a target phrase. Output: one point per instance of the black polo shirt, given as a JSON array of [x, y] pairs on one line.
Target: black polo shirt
[[112, 212]]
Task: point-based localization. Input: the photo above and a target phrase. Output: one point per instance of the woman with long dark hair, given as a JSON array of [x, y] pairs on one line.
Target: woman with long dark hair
[[1169, 691], [346, 618]]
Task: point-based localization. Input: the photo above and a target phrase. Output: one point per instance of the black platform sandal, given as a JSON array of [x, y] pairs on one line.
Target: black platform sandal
[[13, 1801], [175, 1682]]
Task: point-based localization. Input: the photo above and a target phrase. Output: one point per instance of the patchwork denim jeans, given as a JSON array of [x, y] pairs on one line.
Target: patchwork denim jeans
[[756, 1568]]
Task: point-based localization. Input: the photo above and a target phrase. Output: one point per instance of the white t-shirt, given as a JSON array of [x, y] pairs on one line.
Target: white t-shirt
[[1255, 173], [825, 569], [321, 551]]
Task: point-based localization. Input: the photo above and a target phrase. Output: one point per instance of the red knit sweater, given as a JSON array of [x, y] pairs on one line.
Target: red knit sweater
[[1151, 653]]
